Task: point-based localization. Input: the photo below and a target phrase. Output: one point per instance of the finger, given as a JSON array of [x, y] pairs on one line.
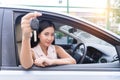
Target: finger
[[25, 25], [31, 15], [39, 62], [42, 65], [36, 63], [46, 64], [36, 14], [24, 21]]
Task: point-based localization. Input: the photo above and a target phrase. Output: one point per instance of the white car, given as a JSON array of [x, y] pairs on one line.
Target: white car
[[96, 50]]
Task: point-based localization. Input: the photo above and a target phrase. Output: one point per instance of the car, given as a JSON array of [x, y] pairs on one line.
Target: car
[[96, 50]]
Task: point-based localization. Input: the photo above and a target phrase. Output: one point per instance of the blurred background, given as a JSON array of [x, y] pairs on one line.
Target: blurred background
[[105, 13]]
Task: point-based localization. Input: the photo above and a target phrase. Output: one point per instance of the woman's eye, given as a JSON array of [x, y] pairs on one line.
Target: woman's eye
[[49, 34], [52, 34], [46, 34]]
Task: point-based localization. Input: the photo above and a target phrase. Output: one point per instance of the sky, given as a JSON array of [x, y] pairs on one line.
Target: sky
[[99, 5], [81, 3]]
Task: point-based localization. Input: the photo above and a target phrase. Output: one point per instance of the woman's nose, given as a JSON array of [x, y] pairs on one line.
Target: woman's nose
[[49, 37]]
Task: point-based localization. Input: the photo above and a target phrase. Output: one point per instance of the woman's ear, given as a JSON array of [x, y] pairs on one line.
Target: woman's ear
[[32, 42], [38, 35]]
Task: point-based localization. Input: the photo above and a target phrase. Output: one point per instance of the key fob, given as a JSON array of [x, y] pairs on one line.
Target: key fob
[[34, 24]]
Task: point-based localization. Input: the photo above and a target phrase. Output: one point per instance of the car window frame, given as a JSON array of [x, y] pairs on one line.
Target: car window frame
[[1, 18], [8, 45]]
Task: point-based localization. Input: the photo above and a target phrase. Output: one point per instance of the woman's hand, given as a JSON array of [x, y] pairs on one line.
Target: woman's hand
[[44, 61], [25, 23], [40, 62]]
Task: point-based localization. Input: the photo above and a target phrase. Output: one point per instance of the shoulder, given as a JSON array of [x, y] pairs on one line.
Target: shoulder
[[58, 47], [37, 46]]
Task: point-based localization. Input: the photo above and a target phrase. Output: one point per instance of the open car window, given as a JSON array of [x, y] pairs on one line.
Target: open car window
[[98, 50]]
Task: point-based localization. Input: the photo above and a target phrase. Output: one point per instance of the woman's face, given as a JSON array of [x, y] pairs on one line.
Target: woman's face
[[46, 36]]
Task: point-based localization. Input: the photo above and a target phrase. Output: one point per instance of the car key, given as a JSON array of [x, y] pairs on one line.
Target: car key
[[34, 25]]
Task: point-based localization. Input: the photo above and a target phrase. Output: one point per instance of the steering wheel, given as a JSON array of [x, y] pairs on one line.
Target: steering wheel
[[79, 52]]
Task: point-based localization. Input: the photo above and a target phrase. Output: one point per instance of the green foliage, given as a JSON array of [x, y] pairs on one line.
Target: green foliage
[[59, 35], [115, 31], [116, 11]]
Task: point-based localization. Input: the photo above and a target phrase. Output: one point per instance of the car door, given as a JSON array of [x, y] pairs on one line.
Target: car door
[[1, 18], [8, 45], [11, 42]]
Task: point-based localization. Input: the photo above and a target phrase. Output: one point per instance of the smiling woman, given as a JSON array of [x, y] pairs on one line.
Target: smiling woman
[[44, 53]]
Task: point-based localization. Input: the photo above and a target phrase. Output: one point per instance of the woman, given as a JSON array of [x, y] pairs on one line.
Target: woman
[[44, 53]]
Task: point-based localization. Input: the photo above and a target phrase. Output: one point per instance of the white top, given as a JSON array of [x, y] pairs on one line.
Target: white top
[[39, 53]]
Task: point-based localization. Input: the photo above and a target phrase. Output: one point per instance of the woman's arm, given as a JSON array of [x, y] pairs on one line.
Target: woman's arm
[[26, 54], [26, 57], [65, 58]]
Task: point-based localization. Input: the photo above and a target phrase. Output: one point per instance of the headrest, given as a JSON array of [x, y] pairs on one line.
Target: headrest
[[18, 33]]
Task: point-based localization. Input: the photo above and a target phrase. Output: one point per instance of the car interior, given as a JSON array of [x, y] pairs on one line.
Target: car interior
[[82, 52], [93, 55]]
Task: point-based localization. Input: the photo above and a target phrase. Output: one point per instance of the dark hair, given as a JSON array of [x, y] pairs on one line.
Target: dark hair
[[43, 24]]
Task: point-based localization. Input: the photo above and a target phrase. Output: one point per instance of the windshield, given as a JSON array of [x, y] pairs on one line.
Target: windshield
[[82, 35]]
